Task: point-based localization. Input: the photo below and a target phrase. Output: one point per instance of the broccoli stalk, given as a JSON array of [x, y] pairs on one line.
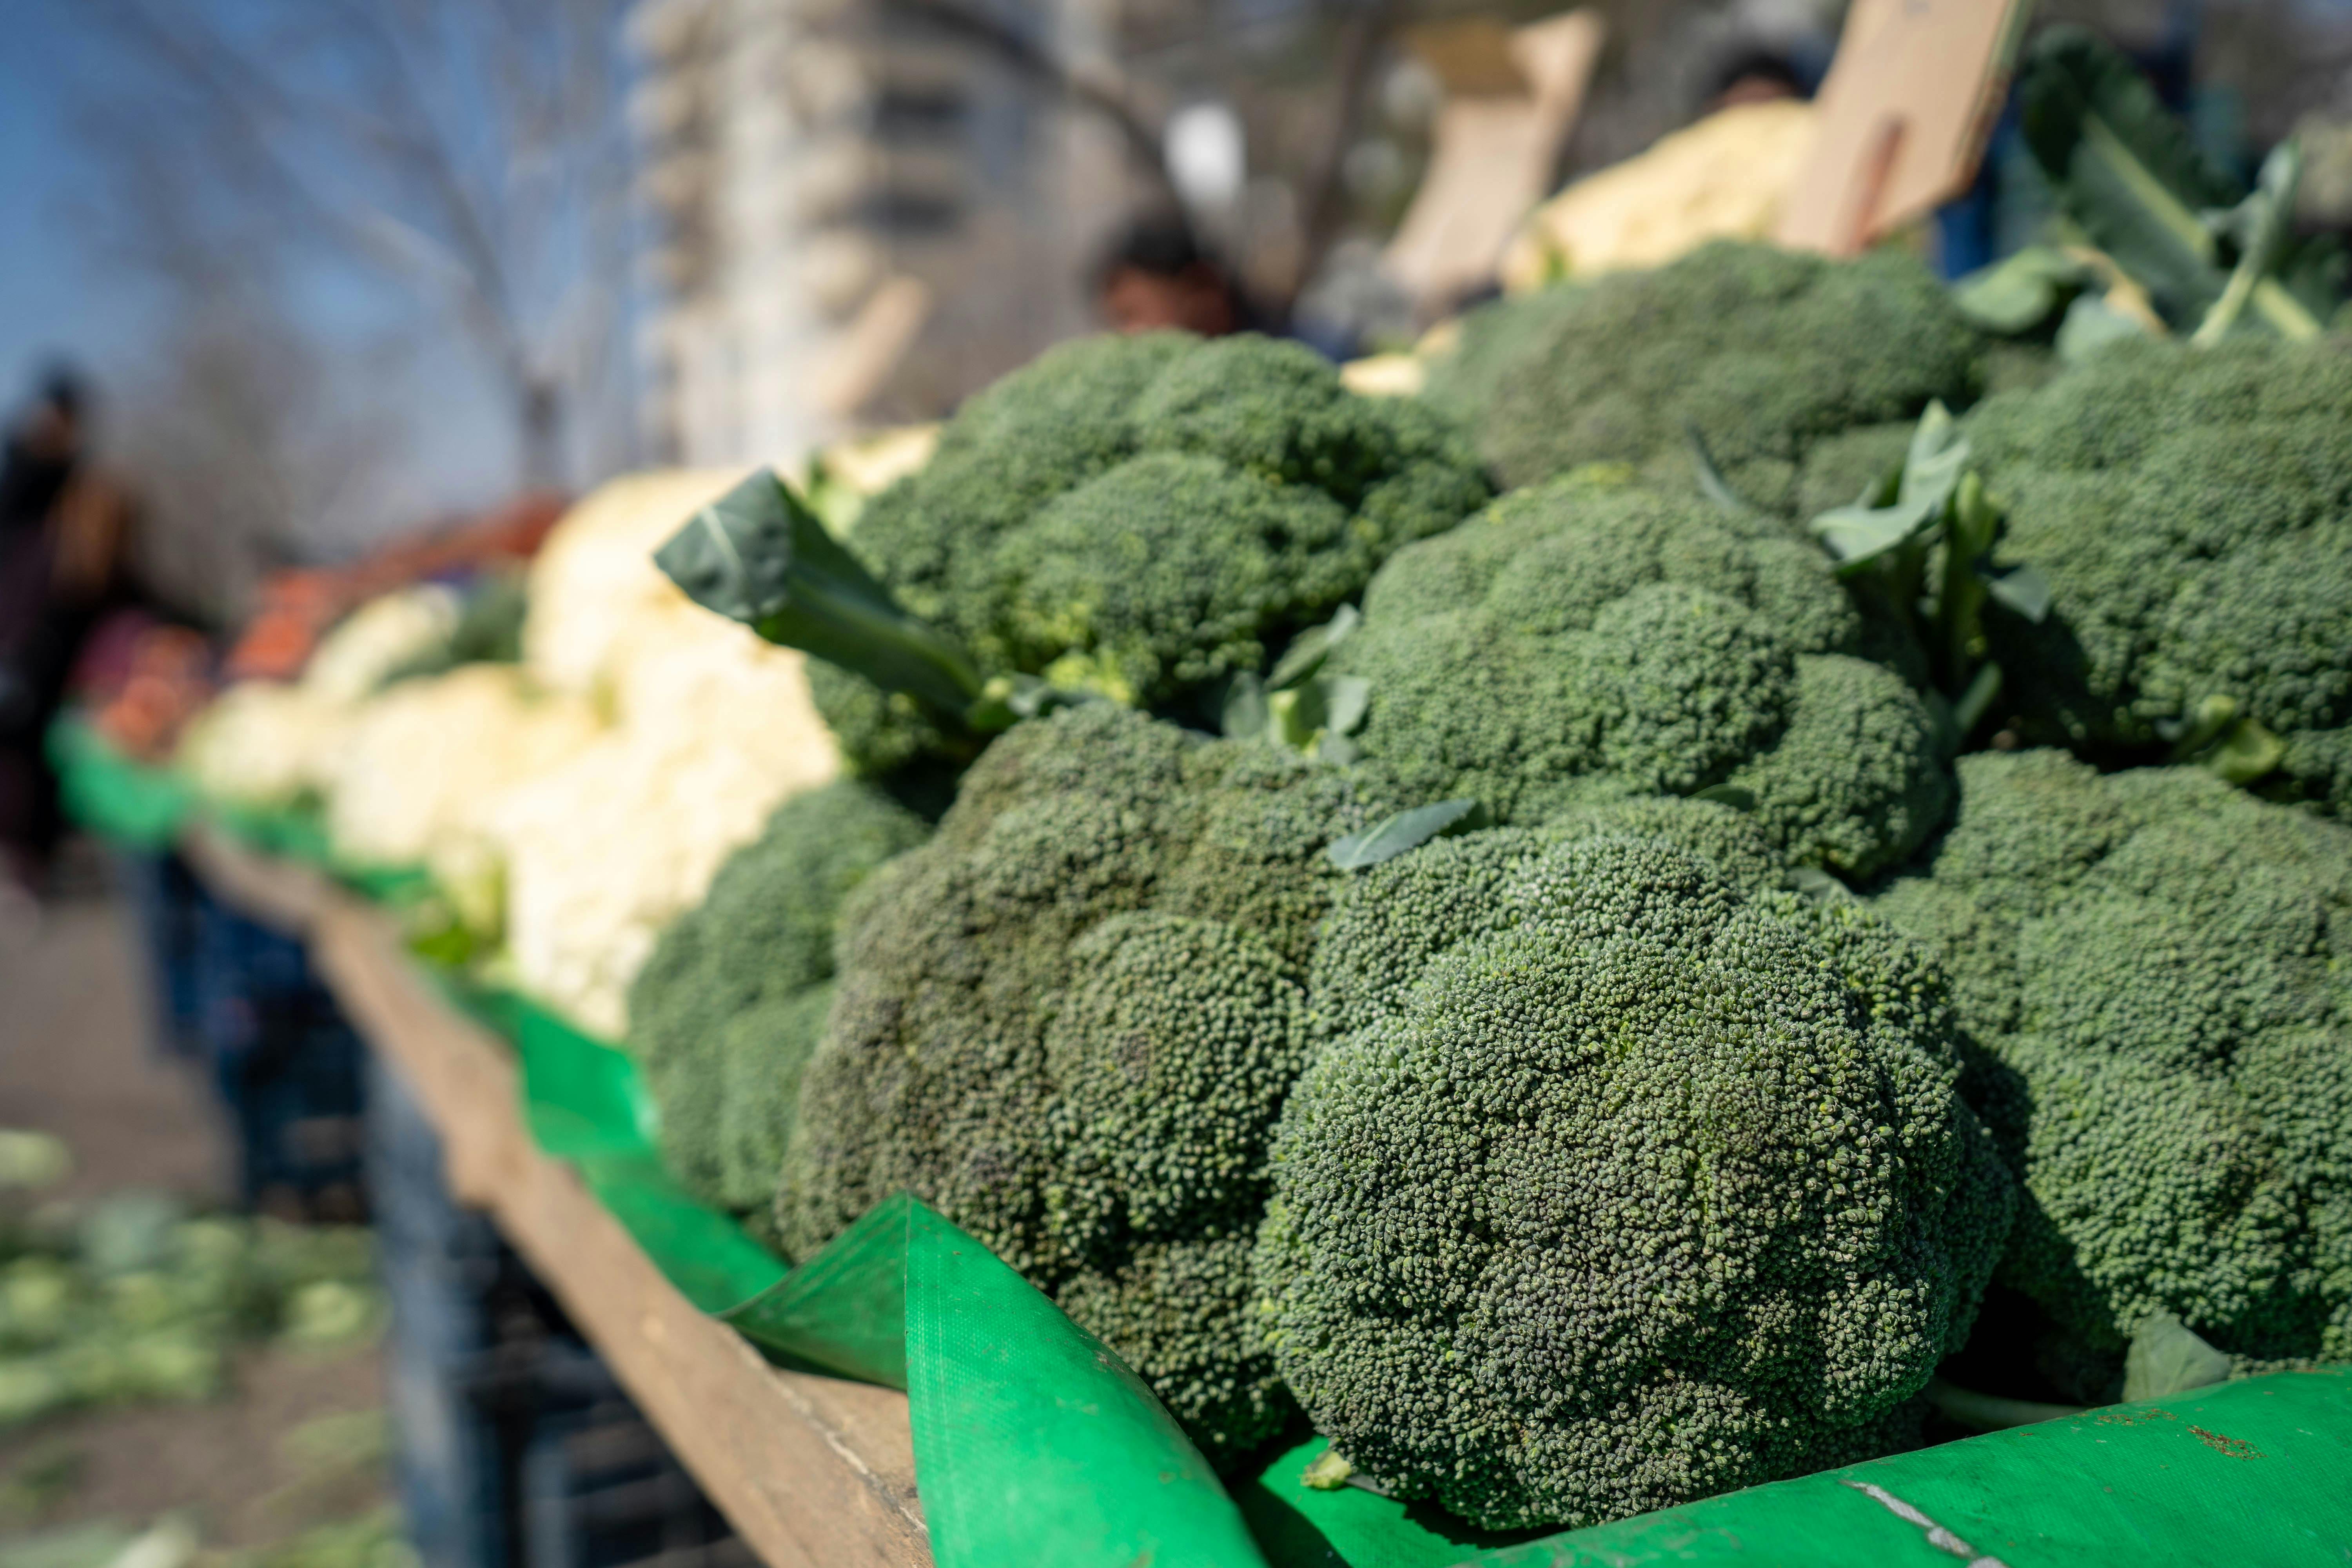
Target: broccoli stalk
[[759, 555]]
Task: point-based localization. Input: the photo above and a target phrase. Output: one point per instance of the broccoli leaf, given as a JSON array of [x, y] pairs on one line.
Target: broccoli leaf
[[1312, 646], [1862, 534], [2127, 171], [2092, 325], [1711, 482], [2023, 591], [1393, 836], [1243, 714], [2020, 293], [2166, 1357]]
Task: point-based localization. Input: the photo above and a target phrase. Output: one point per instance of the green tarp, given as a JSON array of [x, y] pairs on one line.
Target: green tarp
[[145, 807]]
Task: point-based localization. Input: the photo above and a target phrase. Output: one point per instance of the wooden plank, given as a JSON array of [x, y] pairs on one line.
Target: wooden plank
[[809, 1469], [279, 894], [1511, 99], [1901, 121]]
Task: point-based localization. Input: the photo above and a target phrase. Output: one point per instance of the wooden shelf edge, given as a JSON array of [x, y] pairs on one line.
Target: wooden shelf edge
[[809, 1469]]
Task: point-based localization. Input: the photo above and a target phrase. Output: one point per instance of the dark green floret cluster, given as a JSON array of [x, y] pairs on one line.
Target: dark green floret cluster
[[2193, 510], [1577, 1037], [1620, 1178], [1141, 517], [1761, 352], [2155, 968], [1068, 1021], [1591, 639], [726, 1011]]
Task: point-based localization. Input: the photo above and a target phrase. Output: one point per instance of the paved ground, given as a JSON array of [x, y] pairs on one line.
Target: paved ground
[[299, 1441], [75, 1059]]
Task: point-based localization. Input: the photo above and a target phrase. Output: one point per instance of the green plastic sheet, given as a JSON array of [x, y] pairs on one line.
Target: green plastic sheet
[[146, 809], [124, 802], [2253, 1472], [1034, 1445]]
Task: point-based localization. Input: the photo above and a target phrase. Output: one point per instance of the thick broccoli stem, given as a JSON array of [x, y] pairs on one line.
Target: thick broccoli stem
[[758, 555]]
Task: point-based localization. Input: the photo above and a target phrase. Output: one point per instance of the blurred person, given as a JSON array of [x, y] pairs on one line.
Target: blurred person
[[1753, 75], [63, 531], [1157, 275]]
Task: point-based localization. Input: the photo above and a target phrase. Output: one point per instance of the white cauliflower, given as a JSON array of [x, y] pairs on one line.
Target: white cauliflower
[[596, 572], [418, 758], [264, 745], [711, 728], [380, 637], [270, 745], [1722, 178]]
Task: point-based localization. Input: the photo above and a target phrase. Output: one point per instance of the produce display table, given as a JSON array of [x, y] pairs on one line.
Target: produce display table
[[1037, 1446], [809, 1469]]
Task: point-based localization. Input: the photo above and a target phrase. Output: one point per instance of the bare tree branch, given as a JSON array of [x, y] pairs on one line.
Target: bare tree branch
[[466, 152], [1097, 89], [1363, 35]]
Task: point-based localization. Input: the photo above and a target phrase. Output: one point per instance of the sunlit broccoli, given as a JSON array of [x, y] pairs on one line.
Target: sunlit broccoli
[[1141, 517], [1618, 1177], [2154, 966], [1067, 1023], [726, 1009], [1760, 352], [2193, 510], [1589, 640]]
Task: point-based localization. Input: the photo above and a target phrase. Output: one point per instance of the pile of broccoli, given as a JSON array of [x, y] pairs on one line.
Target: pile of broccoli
[[1603, 1063], [1142, 517], [1590, 639], [1620, 1177], [733, 998], [1755, 354], [2157, 969], [2193, 510], [1068, 1021]]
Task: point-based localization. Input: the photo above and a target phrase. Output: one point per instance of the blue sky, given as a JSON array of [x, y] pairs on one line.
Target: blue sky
[[60, 295], [48, 301]]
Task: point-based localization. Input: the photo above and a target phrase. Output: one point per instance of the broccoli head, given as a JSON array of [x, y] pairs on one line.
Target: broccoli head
[[1068, 1021], [2149, 964], [1618, 1177], [1141, 517], [1589, 639], [2193, 510], [1760, 352], [733, 997]]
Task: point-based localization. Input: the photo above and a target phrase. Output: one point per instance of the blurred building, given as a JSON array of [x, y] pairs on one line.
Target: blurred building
[[853, 223]]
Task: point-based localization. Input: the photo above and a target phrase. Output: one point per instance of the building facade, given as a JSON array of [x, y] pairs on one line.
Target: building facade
[[856, 215]]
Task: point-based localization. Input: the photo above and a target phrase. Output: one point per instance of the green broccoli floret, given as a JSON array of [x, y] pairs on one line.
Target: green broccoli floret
[[2193, 510], [2154, 966], [1761, 352], [1067, 1023], [1616, 1179], [1587, 640], [726, 1010], [1141, 517]]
